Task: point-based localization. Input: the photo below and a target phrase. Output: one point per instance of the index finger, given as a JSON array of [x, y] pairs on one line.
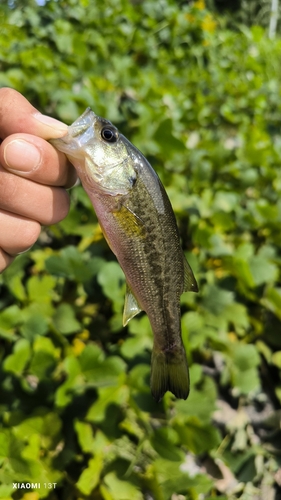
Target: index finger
[[18, 115]]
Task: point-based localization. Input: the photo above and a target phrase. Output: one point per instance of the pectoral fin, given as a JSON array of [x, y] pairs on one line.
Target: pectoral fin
[[131, 307], [190, 283], [131, 222]]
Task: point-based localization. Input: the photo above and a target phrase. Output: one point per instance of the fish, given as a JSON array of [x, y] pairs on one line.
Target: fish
[[139, 225]]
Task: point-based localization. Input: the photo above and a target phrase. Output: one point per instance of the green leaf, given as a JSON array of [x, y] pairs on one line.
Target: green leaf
[[71, 264], [85, 436], [201, 402], [112, 280], [243, 366], [133, 346], [46, 424], [4, 444], [42, 364], [225, 201], [164, 441], [174, 477], [165, 138], [74, 379], [216, 299], [196, 436], [33, 326], [65, 321], [98, 370], [40, 289], [272, 300], [9, 318], [14, 275], [107, 396], [6, 491], [237, 314], [90, 476], [276, 359], [120, 489], [90, 357], [17, 361], [262, 270]]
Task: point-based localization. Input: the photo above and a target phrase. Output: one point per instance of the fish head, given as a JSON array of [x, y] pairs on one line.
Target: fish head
[[100, 154]]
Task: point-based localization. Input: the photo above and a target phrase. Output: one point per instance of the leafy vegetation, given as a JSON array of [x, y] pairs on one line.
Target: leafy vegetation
[[203, 104], [249, 12]]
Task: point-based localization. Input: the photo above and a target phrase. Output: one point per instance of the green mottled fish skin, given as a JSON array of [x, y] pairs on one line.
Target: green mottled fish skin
[[140, 227], [154, 269]]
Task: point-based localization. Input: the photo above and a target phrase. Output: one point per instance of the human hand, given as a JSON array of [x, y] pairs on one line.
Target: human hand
[[33, 175]]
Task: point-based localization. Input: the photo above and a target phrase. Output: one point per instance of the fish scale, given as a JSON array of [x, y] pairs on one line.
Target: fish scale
[[139, 225]]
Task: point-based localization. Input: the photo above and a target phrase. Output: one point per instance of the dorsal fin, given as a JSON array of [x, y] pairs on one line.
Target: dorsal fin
[[190, 283]]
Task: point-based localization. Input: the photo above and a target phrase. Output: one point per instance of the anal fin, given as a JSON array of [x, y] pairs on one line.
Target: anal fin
[[131, 306]]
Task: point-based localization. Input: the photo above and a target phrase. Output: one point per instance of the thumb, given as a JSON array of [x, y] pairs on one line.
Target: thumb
[[18, 115]]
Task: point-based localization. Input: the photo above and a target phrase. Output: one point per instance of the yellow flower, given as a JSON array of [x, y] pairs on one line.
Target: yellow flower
[[30, 496], [232, 336], [77, 346], [209, 24], [189, 17], [84, 335], [200, 4]]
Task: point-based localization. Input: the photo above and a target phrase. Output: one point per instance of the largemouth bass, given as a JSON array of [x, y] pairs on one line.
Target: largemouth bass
[[139, 225]]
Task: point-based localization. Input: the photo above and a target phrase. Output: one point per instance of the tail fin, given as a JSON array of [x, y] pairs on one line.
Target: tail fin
[[169, 372]]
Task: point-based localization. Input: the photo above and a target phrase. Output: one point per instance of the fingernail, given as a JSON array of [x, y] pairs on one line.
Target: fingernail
[[21, 156], [24, 251], [56, 125]]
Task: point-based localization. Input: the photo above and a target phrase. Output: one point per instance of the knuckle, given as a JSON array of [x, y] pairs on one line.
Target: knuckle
[[8, 185], [7, 97], [6, 92]]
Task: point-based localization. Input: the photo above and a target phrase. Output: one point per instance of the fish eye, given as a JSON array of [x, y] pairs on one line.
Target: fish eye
[[109, 134]]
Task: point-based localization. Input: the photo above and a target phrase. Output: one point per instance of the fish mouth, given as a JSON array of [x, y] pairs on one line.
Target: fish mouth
[[83, 122], [78, 133]]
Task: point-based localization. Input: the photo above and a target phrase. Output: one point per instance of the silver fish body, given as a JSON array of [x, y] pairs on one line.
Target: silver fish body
[[139, 225]]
